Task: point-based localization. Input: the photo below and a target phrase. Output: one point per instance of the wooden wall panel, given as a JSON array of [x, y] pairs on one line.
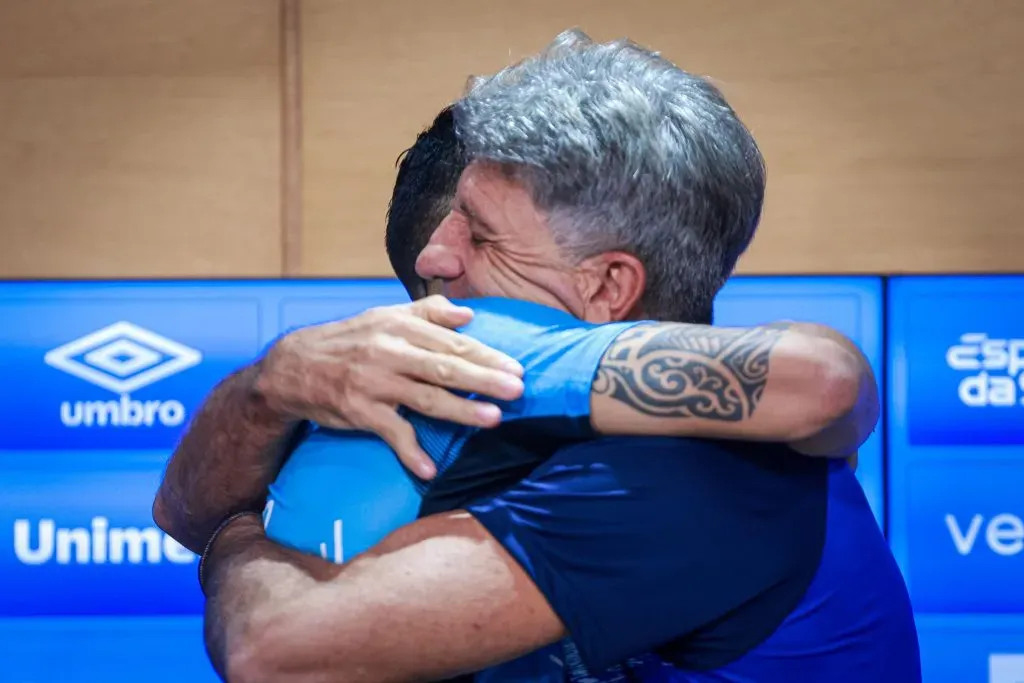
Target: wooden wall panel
[[891, 129], [139, 138]]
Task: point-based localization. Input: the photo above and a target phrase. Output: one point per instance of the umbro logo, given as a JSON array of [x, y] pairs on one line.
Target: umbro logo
[[122, 358]]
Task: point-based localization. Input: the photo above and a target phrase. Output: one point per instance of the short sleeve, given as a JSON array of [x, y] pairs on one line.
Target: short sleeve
[[560, 354], [636, 542]]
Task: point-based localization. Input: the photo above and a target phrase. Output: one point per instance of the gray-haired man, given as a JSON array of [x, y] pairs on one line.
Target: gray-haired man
[[605, 182]]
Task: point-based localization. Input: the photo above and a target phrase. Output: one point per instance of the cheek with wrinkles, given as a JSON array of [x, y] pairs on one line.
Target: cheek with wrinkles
[[501, 274]]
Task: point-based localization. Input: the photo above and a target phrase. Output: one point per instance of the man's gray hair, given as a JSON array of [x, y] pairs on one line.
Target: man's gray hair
[[625, 151]]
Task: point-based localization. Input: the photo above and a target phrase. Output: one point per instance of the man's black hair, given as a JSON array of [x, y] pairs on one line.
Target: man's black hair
[[428, 173]]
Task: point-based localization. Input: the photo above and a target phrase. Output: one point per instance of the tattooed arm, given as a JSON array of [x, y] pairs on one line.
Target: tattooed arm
[[797, 383]]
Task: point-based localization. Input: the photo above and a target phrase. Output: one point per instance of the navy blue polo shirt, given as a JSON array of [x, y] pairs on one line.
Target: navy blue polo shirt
[[704, 561]]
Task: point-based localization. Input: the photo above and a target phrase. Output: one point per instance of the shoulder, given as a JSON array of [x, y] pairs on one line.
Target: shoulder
[[501, 307], [501, 322]]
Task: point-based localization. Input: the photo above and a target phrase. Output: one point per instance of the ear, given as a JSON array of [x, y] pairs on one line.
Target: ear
[[610, 286]]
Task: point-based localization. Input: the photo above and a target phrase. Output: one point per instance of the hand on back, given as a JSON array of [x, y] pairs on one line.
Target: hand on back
[[354, 374]]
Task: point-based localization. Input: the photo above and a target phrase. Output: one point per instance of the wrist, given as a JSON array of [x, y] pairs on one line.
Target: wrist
[[236, 531], [265, 390]]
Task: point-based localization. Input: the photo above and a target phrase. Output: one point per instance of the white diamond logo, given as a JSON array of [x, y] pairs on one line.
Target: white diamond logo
[[123, 357]]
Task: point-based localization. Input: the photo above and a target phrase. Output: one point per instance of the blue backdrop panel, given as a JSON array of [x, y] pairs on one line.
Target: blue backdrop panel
[[956, 469], [122, 369], [123, 365], [105, 650], [78, 537], [99, 381], [956, 424]]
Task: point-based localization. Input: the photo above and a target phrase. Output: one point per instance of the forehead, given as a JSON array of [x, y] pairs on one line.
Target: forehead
[[482, 180], [487, 194]]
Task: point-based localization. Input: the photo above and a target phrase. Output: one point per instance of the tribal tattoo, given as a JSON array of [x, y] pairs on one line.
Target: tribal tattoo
[[689, 370]]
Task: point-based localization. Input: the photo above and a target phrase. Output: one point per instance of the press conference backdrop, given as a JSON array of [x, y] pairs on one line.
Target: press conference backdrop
[[100, 378], [956, 469]]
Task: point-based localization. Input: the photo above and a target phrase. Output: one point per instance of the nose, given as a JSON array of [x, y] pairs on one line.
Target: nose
[[440, 259]]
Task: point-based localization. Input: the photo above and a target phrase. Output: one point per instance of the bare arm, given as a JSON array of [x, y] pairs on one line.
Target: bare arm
[[801, 384], [460, 592], [850, 425], [227, 458], [274, 614]]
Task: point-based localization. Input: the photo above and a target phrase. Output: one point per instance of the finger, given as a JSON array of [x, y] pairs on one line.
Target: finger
[[390, 358], [441, 311], [441, 404], [427, 399], [439, 339], [400, 435], [450, 372]]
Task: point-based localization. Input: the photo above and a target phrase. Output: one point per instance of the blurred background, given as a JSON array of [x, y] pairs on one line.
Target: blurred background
[[185, 179]]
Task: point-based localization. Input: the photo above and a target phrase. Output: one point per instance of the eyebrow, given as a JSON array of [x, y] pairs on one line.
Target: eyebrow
[[473, 215]]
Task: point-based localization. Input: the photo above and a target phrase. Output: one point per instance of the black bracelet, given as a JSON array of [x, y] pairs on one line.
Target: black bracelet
[[213, 539]]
